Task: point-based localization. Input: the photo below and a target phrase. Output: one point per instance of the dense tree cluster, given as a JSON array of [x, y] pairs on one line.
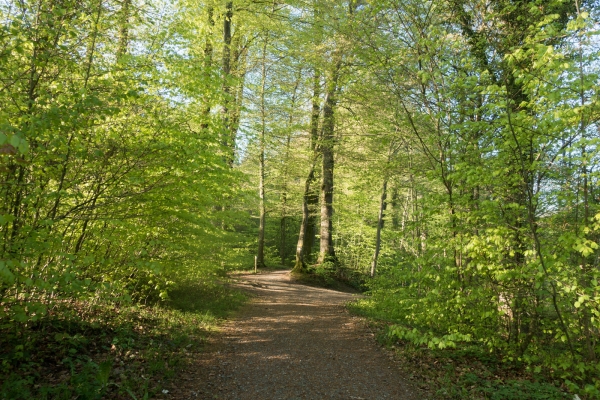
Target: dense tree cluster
[[447, 149], [112, 162]]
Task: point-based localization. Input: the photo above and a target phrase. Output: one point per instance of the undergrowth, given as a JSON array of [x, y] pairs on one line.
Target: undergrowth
[[122, 351], [460, 371], [332, 276]]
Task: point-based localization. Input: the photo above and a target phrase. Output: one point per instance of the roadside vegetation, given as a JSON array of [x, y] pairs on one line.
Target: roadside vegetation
[[451, 368], [116, 350], [443, 153]]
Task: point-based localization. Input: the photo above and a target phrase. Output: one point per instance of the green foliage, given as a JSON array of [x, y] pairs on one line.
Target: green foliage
[[491, 227], [521, 390], [428, 339], [108, 351], [129, 150], [114, 192], [110, 167]]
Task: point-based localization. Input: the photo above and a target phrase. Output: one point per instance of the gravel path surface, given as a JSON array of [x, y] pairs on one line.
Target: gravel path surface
[[293, 342]]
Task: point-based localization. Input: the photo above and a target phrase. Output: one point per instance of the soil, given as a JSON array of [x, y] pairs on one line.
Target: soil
[[292, 342]]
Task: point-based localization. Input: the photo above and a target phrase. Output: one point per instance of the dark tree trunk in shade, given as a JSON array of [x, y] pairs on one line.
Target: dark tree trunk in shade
[[226, 140], [382, 207]]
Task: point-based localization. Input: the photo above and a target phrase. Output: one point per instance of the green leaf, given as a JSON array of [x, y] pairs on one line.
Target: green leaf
[[23, 147], [6, 275], [14, 141]]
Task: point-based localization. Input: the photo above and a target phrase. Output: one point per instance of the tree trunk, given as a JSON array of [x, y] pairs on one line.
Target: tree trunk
[[313, 194], [382, 207], [208, 61], [261, 228], [300, 265], [284, 189], [260, 260], [227, 142], [306, 238], [326, 249], [124, 29], [238, 70]]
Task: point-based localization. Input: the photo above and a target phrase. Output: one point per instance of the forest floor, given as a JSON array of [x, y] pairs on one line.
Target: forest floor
[[292, 341]]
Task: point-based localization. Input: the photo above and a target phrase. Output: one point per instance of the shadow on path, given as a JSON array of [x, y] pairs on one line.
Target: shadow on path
[[294, 342]]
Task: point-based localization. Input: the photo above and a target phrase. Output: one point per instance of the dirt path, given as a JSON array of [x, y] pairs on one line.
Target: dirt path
[[293, 342]]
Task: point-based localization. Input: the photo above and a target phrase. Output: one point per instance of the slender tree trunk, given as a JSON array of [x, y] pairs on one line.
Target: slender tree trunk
[[326, 247], [284, 194], [393, 150], [208, 61], [395, 208], [283, 230], [382, 207], [313, 194], [260, 260], [124, 29], [228, 144], [238, 70], [284, 189], [262, 213]]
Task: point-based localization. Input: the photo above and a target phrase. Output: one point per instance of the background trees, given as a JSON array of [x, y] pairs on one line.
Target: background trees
[[487, 113], [145, 144], [109, 177]]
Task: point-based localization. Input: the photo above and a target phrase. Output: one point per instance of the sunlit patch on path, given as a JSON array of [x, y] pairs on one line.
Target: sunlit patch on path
[[294, 342]]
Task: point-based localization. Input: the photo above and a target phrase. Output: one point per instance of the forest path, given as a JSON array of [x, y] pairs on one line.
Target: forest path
[[292, 342]]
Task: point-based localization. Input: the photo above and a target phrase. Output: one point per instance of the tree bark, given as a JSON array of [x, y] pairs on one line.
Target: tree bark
[[326, 248], [382, 207], [260, 260], [306, 237], [227, 142], [238, 70], [300, 265], [313, 194], [284, 189], [208, 62], [124, 29]]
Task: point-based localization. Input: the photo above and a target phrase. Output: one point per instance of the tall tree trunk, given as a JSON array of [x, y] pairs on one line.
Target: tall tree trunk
[[208, 61], [284, 194], [124, 28], [313, 193], [284, 189], [260, 260], [238, 70], [283, 229], [326, 249], [300, 265], [227, 136], [306, 237], [382, 207], [393, 150], [260, 257], [227, 142]]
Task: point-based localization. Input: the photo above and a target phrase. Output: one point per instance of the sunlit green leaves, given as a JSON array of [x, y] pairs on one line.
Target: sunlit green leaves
[[503, 104]]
